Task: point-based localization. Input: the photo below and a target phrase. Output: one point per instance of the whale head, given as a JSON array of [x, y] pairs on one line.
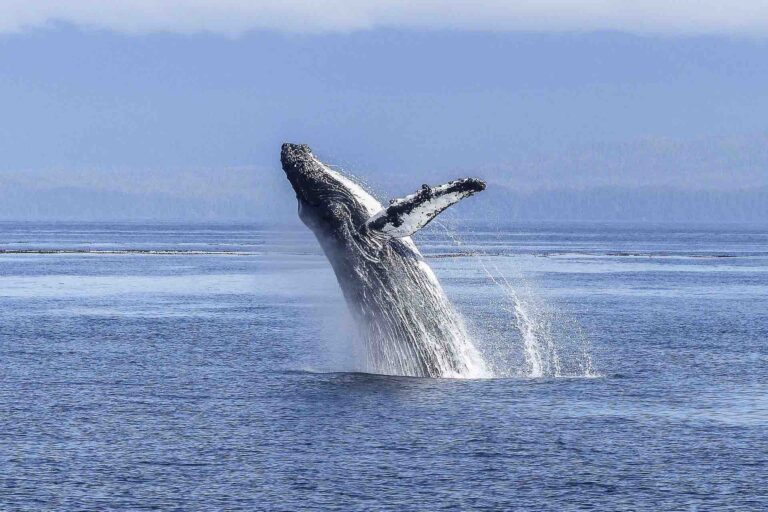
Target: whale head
[[328, 201]]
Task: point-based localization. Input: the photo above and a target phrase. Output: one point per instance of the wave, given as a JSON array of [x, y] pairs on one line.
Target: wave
[[436, 255], [591, 254], [159, 252]]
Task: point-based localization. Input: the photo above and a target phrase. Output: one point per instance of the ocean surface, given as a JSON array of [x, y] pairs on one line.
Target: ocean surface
[[212, 367]]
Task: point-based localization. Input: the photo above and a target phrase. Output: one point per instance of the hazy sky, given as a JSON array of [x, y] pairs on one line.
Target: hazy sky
[[161, 95], [237, 16]]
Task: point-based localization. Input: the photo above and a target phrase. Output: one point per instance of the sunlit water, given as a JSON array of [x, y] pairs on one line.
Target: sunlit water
[[213, 367]]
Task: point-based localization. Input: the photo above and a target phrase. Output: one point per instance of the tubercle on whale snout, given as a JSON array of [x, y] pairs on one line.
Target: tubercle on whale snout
[[290, 150]]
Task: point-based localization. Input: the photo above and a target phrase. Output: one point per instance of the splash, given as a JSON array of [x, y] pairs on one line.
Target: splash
[[531, 338], [553, 343], [516, 334], [409, 327]]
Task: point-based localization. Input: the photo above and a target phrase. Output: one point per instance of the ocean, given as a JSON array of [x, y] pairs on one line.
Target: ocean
[[214, 367]]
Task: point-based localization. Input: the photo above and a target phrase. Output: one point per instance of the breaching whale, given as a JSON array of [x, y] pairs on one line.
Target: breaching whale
[[409, 325]]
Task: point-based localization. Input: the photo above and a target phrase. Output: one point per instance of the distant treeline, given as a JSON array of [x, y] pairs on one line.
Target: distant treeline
[[496, 204], [84, 204], [624, 204]]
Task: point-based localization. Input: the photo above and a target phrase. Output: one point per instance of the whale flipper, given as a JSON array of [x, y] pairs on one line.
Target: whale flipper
[[404, 216]]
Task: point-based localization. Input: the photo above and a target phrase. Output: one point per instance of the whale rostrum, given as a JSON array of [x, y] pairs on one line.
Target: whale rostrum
[[408, 325]]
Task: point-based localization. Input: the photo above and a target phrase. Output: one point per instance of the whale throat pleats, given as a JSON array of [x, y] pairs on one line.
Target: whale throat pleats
[[403, 217]]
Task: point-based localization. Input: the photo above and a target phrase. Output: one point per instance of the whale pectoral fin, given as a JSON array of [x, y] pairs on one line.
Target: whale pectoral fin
[[405, 216]]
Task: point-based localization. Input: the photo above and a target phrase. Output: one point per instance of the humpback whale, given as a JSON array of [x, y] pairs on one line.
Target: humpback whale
[[408, 324]]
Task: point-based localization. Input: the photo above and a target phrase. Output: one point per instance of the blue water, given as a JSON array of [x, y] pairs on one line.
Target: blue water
[[172, 367]]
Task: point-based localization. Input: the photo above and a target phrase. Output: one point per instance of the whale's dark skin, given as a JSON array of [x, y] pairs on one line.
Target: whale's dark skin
[[410, 326]]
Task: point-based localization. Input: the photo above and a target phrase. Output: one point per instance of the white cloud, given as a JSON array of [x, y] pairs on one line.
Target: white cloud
[[233, 17]]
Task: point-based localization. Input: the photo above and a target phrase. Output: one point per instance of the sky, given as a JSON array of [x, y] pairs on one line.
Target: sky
[[183, 104]]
